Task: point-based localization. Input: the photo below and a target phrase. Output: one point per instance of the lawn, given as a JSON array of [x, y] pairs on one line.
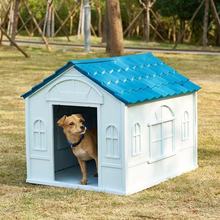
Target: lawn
[[195, 195]]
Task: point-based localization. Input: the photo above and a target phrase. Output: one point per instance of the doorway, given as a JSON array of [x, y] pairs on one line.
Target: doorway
[[66, 166]]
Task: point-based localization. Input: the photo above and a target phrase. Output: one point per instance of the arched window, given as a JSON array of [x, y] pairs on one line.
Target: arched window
[[162, 134], [39, 135], [185, 126], [112, 148], [136, 139]]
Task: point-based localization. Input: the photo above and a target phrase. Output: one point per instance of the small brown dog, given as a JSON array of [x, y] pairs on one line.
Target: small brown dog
[[83, 142]]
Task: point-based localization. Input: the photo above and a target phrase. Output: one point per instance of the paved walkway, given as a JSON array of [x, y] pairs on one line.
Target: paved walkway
[[127, 49]]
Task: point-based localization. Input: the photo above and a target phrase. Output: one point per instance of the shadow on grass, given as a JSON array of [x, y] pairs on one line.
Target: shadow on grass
[[208, 156]]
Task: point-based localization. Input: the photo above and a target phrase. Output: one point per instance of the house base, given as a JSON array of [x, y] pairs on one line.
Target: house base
[[67, 182], [74, 186], [160, 180]]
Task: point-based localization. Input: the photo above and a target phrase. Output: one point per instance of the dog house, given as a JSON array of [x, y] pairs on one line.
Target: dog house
[[145, 114]]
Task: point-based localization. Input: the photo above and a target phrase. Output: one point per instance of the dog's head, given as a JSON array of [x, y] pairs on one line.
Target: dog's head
[[73, 124]]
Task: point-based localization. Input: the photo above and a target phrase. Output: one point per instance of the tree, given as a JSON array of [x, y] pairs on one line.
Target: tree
[[15, 20], [217, 30], [147, 4], [147, 20], [205, 24], [114, 33], [87, 24], [130, 16], [49, 23], [216, 16], [181, 10]]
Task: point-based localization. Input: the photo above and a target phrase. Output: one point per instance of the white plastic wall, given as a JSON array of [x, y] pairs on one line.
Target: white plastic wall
[[74, 89], [161, 155]]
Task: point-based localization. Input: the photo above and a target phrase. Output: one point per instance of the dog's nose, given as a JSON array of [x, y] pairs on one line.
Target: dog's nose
[[82, 127]]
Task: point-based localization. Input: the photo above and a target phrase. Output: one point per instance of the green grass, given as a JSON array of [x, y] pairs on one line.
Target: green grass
[[195, 195]]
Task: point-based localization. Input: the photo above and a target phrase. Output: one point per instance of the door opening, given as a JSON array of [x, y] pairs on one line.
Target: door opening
[[66, 165]]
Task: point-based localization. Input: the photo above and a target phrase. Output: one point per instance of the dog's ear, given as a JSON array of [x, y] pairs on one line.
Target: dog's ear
[[60, 122], [80, 116]]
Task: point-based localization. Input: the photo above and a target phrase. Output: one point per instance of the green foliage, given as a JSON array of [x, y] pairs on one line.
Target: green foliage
[[183, 9], [129, 8], [38, 8], [218, 6], [169, 13]]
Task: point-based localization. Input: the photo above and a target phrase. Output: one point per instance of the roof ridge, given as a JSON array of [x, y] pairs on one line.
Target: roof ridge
[[75, 62], [106, 59]]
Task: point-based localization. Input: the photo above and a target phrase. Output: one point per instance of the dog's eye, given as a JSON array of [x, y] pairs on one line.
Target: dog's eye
[[71, 123], [82, 121]]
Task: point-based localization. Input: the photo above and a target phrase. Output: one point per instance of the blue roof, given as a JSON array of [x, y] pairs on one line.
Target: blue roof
[[131, 79]]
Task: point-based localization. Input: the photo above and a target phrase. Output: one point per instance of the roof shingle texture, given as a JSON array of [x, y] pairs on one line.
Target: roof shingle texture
[[136, 78], [132, 78]]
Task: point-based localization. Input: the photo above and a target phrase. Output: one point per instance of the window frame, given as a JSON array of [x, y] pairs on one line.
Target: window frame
[[161, 122], [112, 137], [39, 133], [136, 135], [185, 126]]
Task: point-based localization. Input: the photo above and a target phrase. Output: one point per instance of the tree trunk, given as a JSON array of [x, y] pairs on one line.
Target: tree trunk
[[217, 37], [53, 21], [48, 29], [81, 22], [48, 32], [71, 25], [169, 34], [3, 22], [174, 30], [31, 28], [10, 18], [189, 37], [115, 35], [15, 20], [181, 32], [45, 20], [50, 22], [13, 42], [216, 16], [105, 28], [87, 24], [37, 25], [99, 21], [146, 31], [138, 30], [205, 24]]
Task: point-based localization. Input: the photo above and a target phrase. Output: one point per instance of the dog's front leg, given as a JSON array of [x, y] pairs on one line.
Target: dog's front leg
[[82, 164]]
